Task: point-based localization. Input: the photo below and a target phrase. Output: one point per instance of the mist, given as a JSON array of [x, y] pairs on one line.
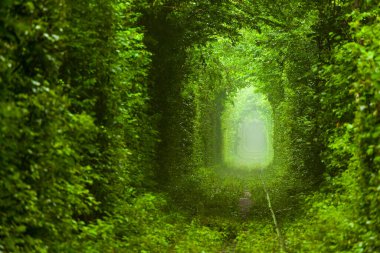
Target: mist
[[247, 126]]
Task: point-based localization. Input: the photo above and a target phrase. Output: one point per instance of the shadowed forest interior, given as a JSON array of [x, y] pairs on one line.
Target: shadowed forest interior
[[189, 126]]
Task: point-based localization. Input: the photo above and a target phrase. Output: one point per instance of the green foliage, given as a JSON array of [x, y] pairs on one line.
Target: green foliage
[[351, 99], [173, 29], [44, 179], [330, 224], [73, 116], [256, 238], [136, 227], [86, 89], [321, 106], [199, 239], [205, 192]]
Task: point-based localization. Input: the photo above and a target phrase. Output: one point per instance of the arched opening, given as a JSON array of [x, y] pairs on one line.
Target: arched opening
[[247, 130]]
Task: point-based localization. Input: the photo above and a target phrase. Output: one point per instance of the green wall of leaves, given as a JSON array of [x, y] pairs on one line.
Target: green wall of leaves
[[110, 123]]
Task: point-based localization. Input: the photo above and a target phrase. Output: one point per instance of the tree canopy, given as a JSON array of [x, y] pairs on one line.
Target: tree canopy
[[119, 125]]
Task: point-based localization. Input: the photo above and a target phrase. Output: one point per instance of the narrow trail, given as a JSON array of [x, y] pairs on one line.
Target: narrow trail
[[278, 232], [261, 194]]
